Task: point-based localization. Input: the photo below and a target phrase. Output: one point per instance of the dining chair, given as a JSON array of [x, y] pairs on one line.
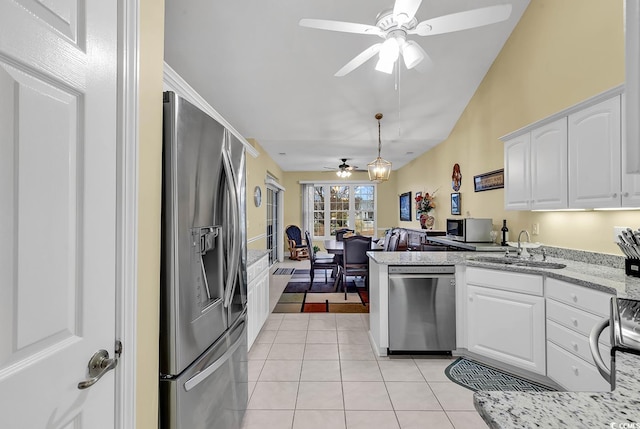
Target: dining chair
[[385, 240], [355, 261], [341, 232], [324, 262], [297, 249], [391, 243]]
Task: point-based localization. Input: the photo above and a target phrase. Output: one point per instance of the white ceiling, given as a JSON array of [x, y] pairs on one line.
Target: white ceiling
[[273, 80]]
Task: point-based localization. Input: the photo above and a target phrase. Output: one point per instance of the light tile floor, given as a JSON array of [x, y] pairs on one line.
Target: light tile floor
[[316, 371], [312, 371]]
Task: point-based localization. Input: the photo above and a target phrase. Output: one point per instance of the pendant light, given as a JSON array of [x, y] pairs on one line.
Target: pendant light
[[379, 169]]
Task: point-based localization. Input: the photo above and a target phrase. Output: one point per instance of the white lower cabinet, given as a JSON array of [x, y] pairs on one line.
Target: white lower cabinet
[[257, 297], [507, 326], [513, 319]]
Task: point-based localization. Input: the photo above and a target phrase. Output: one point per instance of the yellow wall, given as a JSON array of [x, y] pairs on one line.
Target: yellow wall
[[257, 169], [150, 176], [560, 53]]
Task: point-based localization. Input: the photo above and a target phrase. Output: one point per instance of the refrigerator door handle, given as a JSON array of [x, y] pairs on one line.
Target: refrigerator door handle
[[232, 273], [202, 375]]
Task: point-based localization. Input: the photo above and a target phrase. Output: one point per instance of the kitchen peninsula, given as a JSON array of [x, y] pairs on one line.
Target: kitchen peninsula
[[588, 281]]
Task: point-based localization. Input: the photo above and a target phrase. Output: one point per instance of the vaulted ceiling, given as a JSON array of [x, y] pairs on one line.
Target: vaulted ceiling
[[273, 80]]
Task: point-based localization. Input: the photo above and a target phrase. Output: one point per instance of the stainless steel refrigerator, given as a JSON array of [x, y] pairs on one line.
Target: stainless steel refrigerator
[[203, 340]]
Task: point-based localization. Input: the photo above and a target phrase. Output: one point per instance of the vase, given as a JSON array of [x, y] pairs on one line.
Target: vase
[[427, 221]]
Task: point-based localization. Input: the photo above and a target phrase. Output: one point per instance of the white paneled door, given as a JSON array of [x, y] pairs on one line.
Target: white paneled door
[[58, 64]]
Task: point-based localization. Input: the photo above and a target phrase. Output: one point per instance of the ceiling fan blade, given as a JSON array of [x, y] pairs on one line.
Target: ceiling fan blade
[[463, 20], [407, 8], [427, 63], [360, 59], [345, 27]]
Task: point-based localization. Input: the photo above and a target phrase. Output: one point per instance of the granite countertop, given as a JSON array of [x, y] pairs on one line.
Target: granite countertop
[[254, 255], [590, 275], [524, 410], [417, 258]]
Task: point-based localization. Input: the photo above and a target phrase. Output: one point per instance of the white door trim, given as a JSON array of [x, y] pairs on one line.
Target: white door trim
[[127, 240]]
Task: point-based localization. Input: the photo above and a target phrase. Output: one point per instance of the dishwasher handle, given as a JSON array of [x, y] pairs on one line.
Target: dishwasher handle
[[421, 276]]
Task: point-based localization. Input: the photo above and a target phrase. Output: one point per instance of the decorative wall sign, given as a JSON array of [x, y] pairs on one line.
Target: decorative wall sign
[[491, 180], [405, 206], [456, 177], [455, 203]]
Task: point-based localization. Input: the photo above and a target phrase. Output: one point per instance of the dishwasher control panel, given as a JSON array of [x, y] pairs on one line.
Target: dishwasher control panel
[[422, 269]]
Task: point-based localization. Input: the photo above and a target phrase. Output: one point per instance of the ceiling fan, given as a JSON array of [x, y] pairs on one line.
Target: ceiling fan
[[344, 170], [393, 25]]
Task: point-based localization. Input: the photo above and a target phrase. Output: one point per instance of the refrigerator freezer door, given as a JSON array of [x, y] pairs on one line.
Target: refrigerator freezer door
[[212, 393]]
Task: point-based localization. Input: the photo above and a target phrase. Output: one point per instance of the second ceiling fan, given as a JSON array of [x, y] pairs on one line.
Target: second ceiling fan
[[393, 25]]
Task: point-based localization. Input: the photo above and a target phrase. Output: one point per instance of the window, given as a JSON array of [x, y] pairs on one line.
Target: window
[[338, 205]]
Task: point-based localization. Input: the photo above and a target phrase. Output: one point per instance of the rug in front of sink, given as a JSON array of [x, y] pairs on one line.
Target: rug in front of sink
[[476, 376]]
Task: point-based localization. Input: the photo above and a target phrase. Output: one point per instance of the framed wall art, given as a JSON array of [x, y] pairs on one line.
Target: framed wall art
[[455, 203], [491, 180], [405, 206]]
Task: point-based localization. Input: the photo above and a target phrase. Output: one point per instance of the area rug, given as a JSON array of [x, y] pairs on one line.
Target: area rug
[[283, 271], [298, 297], [476, 376]]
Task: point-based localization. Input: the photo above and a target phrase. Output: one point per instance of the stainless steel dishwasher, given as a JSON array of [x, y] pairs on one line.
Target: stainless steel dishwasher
[[422, 309]]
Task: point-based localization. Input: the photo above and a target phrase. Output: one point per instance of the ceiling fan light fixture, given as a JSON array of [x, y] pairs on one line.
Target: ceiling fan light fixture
[[379, 169], [411, 55], [343, 174], [390, 50], [385, 66]]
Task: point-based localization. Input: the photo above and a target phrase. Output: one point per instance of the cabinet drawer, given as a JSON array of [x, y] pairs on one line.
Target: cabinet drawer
[[577, 296], [574, 342], [573, 373], [254, 270], [262, 264], [574, 318], [516, 282]]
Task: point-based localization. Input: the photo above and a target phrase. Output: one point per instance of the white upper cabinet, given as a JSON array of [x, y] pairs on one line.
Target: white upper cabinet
[[573, 159], [549, 166], [594, 156], [517, 178], [536, 168]]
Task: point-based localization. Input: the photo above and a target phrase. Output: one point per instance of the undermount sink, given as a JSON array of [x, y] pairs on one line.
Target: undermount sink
[[518, 262]]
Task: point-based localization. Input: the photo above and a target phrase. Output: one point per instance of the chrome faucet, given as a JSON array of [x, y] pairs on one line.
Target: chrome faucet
[[519, 246]]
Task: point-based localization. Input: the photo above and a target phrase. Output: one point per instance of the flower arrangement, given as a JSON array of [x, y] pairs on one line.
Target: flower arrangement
[[425, 203]]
